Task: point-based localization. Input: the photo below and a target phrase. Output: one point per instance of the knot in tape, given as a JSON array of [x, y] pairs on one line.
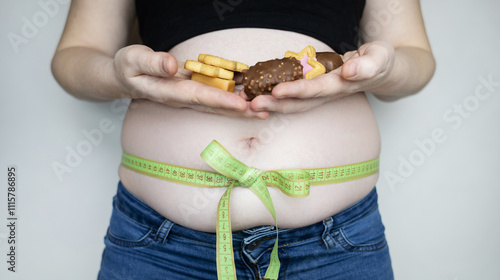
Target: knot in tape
[[293, 182], [251, 176]]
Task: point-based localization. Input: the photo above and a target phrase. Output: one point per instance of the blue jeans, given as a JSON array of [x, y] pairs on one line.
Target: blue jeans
[[142, 244]]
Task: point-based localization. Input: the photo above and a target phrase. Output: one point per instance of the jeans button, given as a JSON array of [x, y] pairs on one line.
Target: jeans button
[[254, 245]]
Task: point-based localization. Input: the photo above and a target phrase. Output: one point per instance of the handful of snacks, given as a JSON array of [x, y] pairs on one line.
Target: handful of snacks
[[214, 71], [262, 77]]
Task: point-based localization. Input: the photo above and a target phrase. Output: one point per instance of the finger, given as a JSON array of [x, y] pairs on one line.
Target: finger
[[286, 106], [348, 55], [235, 114], [321, 86], [182, 72], [243, 95], [187, 92], [247, 113], [371, 62], [194, 93]]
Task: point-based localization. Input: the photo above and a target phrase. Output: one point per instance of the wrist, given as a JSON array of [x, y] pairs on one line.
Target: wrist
[[412, 70], [392, 79], [116, 86]]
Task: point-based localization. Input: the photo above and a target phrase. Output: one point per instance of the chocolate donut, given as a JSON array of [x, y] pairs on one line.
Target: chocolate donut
[[330, 60], [264, 76]]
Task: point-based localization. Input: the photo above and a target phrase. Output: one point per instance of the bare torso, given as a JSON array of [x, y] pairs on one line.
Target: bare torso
[[337, 133]]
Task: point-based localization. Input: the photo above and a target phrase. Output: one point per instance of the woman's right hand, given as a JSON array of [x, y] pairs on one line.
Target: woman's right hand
[[146, 74]]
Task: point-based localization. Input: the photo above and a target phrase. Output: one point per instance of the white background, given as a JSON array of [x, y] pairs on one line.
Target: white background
[[442, 217]]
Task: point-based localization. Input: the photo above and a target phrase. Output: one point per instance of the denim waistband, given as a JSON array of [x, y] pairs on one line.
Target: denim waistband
[[139, 211]]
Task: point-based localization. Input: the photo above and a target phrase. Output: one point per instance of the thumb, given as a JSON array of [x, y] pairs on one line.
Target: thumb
[[158, 64], [372, 61], [361, 68]]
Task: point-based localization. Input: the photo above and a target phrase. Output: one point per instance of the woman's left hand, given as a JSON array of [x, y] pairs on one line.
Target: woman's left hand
[[363, 70]]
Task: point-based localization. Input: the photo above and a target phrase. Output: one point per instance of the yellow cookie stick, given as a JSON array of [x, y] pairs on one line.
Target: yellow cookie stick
[[227, 85], [221, 62], [208, 70]]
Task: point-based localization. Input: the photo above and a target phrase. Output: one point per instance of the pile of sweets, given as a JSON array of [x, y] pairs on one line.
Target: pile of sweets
[[262, 77]]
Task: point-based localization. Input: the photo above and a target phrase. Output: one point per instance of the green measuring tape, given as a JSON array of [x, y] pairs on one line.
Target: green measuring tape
[[232, 173]]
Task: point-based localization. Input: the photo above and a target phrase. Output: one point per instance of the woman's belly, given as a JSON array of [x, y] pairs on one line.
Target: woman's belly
[[337, 133]]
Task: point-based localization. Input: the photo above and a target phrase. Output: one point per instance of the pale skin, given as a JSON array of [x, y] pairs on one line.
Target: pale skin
[[95, 63], [99, 59]]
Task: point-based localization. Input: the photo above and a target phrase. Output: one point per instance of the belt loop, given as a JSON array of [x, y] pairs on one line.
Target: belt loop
[[327, 238], [163, 231]]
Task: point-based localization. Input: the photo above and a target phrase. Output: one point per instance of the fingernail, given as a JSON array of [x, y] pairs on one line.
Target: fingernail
[[242, 107], [279, 94], [262, 115], [352, 69], [164, 66]]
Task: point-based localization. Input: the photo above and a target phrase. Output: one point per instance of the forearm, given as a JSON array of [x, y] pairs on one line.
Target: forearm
[[413, 68], [87, 74]]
